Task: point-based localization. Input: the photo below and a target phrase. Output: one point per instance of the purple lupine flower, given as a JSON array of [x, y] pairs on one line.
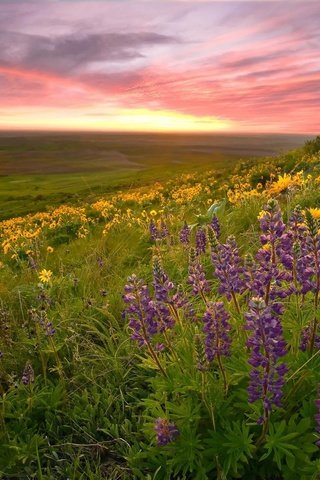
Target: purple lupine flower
[[267, 347], [32, 263], [163, 292], [201, 241], [312, 248], [317, 418], [163, 287], [166, 431], [293, 253], [153, 230], [269, 280], [180, 301], [49, 329], [271, 223], [228, 268], [28, 374], [217, 329], [100, 261], [305, 339], [215, 225], [196, 276], [164, 231], [140, 311], [184, 235]]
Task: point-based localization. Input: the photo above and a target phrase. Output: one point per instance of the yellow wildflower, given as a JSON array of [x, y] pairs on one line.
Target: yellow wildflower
[[285, 182], [45, 276], [49, 249], [315, 212]]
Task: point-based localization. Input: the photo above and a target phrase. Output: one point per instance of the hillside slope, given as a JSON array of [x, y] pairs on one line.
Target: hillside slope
[[167, 331]]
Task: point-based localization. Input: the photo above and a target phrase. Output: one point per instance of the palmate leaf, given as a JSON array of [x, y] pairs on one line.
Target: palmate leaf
[[280, 444], [233, 446], [238, 446]]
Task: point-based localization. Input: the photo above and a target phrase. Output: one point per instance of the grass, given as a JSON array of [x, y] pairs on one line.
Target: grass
[[93, 395]]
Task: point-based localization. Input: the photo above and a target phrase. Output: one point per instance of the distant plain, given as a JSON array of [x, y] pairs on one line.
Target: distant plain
[[40, 170]]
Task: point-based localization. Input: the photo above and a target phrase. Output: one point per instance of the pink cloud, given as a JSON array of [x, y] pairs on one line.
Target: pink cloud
[[255, 68]]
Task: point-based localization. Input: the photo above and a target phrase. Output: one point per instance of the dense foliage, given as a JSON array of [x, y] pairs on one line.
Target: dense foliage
[[168, 331]]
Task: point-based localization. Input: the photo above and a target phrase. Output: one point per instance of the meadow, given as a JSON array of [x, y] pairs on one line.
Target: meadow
[[38, 171], [160, 321]]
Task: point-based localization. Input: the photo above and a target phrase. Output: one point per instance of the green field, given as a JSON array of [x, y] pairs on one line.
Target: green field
[[38, 171]]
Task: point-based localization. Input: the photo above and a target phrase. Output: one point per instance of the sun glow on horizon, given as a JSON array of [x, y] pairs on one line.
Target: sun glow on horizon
[[116, 119]]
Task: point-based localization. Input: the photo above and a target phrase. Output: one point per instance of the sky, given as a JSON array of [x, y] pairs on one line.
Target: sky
[[160, 65]]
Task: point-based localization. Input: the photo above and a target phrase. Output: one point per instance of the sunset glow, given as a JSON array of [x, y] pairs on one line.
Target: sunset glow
[[163, 66]]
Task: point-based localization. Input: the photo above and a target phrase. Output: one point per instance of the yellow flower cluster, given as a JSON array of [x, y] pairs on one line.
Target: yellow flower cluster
[[186, 194], [284, 183], [105, 207], [241, 193], [142, 195], [22, 233], [315, 212]]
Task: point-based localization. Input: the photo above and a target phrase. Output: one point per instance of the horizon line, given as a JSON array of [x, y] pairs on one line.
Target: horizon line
[[153, 132]]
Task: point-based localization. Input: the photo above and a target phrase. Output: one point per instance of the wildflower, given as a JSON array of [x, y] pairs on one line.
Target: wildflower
[[164, 231], [185, 234], [166, 432], [268, 278], [196, 276], [217, 329], [163, 289], [306, 336], [50, 249], [215, 225], [315, 212], [100, 261], [286, 182], [294, 254], [153, 213], [140, 311], [228, 269], [201, 241], [153, 231], [267, 346], [49, 329], [28, 374], [45, 276], [317, 418], [32, 263]]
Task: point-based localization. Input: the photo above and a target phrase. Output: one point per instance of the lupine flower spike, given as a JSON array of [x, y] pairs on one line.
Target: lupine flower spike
[[267, 347], [28, 374], [217, 330], [166, 432], [317, 418], [196, 276], [184, 235]]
